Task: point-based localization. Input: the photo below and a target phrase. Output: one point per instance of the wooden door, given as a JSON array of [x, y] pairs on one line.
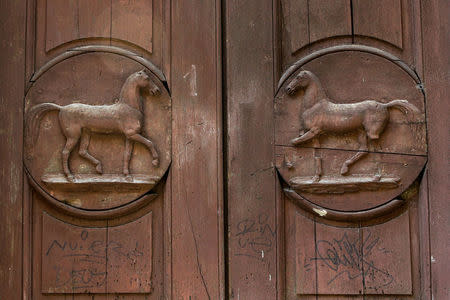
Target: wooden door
[[119, 195], [326, 201], [260, 149]]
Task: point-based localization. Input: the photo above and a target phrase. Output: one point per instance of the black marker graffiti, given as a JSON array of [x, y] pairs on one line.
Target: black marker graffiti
[[255, 237], [349, 260], [83, 263]]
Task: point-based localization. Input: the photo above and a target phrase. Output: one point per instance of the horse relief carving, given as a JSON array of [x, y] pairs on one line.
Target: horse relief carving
[[78, 121], [320, 116]]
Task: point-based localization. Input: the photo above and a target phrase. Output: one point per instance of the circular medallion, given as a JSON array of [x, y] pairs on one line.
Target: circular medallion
[[349, 128], [98, 128]]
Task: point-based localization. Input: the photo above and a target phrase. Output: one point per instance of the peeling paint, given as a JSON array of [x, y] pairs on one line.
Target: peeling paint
[[192, 75], [320, 212]]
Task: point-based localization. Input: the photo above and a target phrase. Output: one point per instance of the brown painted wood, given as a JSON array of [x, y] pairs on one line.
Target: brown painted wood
[[329, 19], [435, 29], [379, 19], [141, 31], [196, 187], [271, 229], [76, 19], [252, 231], [12, 33], [132, 21]]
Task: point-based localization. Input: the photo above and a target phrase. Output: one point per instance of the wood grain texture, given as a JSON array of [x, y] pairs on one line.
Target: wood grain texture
[[379, 19], [76, 19], [436, 41], [132, 21], [307, 22], [196, 173], [329, 19], [251, 179], [12, 60], [295, 24]]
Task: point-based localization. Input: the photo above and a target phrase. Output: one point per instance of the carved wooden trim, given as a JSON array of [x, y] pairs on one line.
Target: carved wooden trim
[[343, 216], [92, 214], [99, 48], [292, 69]]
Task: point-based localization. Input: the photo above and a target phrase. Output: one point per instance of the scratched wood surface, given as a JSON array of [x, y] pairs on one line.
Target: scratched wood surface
[[136, 25], [268, 236], [12, 33], [391, 25], [196, 174], [435, 25], [252, 231], [398, 242]]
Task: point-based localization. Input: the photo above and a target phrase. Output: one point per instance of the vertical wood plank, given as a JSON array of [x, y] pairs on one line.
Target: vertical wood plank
[[196, 173], [132, 21], [76, 19], [94, 18], [436, 41], [329, 18], [381, 19], [61, 19], [251, 181], [424, 237], [295, 13], [12, 60], [306, 264]]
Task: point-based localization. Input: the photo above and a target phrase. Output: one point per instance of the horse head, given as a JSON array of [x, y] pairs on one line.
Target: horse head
[[143, 80], [300, 81]]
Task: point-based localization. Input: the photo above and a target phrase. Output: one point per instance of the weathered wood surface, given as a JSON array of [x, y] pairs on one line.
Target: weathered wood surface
[[90, 89], [196, 175], [252, 229], [436, 41], [114, 259], [12, 60]]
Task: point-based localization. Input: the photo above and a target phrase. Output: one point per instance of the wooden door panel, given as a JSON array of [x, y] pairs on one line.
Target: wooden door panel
[[84, 52], [307, 36], [308, 26], [323, 254], [134, 25], [243, 206]]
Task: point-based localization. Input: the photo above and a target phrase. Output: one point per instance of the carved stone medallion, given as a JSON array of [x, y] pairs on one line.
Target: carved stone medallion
[[350, 129], [98, 128]]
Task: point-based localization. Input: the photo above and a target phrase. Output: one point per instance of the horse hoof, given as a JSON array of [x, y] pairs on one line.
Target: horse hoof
[[316, 178], [70, 178], [99, 169], [128, 178], [155, 162], [344, 170]]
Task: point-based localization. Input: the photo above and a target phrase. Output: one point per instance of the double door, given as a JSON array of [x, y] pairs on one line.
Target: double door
[[224, 150]]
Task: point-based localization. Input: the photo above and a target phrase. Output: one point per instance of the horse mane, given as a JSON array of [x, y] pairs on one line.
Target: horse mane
[[321, 94], [127, 98], [314, 92]]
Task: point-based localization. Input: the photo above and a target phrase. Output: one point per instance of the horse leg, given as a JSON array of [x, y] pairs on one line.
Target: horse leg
[[84, 144], [317, 160], [70, 143], [362, 138], [127, 156], [306, 137], [149, 144]]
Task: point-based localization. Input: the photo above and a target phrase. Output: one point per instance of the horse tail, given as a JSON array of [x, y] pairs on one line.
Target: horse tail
[[403, 105], [32, 122]]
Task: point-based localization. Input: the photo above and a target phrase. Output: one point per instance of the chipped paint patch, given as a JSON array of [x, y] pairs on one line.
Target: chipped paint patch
[[320, 212]]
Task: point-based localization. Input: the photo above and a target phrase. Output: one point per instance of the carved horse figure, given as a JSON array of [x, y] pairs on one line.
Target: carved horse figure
[[78, 120], [320, 115]]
